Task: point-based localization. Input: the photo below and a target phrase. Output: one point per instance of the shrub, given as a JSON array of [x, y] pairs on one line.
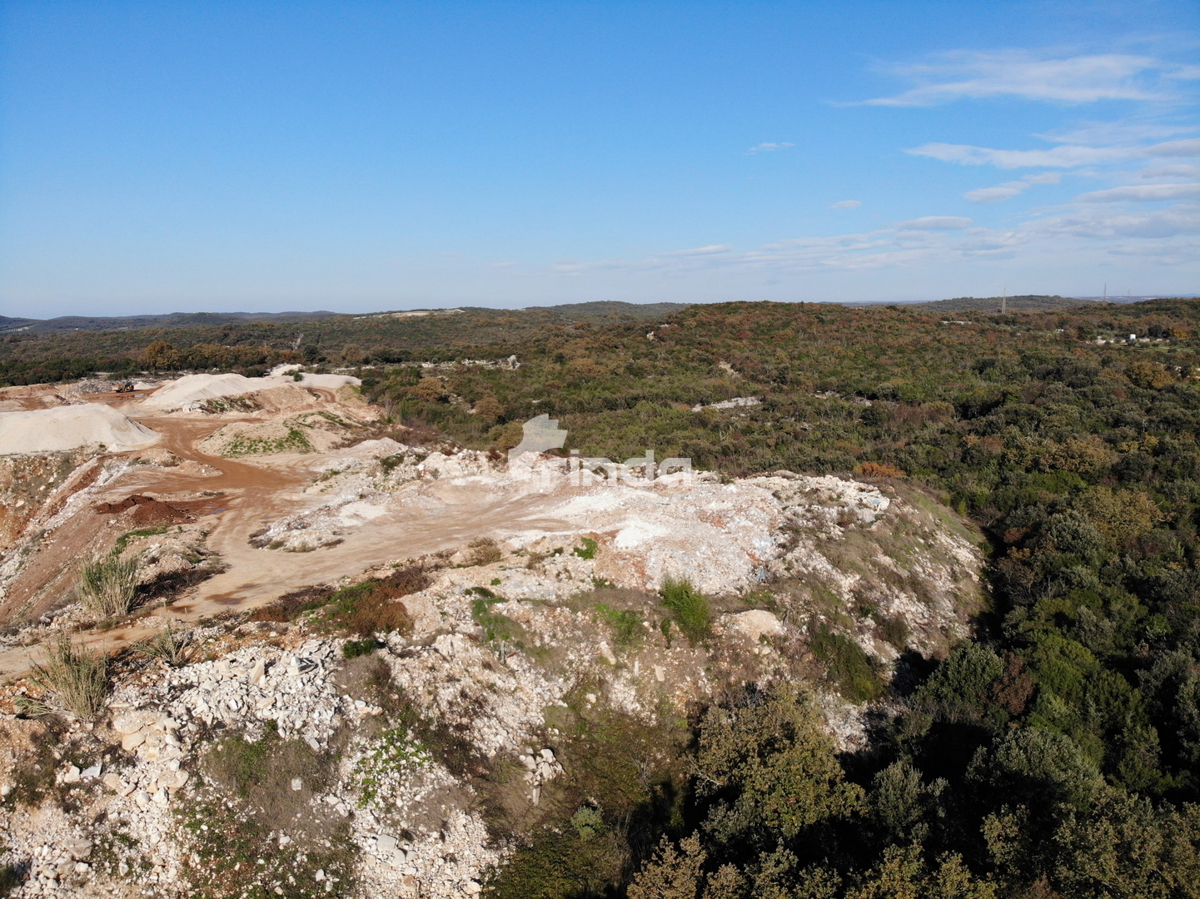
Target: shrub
[[371, 607], [484, 551], [291, 605], [107, 586], [688, 606], [74, 680], [363, 609], [10, 879], [881, 470], [352, 649]]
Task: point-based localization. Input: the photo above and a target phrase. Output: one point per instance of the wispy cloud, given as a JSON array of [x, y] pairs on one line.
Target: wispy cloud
[[846, 204], [1030, 76], [936, 223], [1010, 189], [1063, 157], [769, 147], [1169, 171], [710, 250], [1165, 236], [1067, 156], [1142, 193]]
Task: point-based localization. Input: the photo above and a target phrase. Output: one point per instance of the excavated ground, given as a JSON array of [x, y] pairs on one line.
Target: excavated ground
[[538, 601]]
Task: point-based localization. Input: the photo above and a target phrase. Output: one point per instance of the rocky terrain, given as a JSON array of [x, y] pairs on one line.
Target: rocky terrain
[[361, 665]]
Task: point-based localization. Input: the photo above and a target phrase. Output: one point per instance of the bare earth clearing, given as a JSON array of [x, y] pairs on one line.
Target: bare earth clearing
[[532, 594]]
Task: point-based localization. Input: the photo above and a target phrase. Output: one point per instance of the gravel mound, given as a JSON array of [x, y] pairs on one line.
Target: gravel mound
[[192, 389], [70, 427]]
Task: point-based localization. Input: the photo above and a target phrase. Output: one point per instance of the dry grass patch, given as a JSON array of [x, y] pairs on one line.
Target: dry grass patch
[[108, 585], [73, 681]]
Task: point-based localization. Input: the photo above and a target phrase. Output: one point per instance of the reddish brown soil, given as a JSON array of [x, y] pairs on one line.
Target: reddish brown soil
[[145, 511]]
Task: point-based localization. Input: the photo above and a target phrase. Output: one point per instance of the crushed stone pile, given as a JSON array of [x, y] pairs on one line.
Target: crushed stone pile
[[70, 427], [191, 390]]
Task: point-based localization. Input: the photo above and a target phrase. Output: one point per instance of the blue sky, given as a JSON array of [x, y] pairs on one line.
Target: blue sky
[[357, 156]]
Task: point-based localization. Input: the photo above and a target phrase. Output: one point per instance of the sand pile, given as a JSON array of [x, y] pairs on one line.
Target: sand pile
[[191, 390], [70, 427]]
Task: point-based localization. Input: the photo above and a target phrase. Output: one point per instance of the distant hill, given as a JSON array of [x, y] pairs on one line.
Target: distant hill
[[169, 320], [11, 324], [596, 312], [610, 308], [1024, 303]]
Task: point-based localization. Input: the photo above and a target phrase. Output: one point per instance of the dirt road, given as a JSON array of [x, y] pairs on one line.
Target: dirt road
[[255, 493]]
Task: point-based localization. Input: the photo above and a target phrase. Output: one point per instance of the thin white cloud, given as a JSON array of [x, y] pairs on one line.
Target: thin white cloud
[[769, 147], [702, 251], [1029, 76], [1166, 236], [1010, 189], [846, 204], [936, 223], [1064, 157], [1127, 131], [997, 193], [1179, 148], [1095, 222], [1141, 193], [1169, 171]]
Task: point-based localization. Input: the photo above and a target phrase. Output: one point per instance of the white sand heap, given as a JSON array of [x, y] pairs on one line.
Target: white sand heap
[[70, 427], [192, 389]]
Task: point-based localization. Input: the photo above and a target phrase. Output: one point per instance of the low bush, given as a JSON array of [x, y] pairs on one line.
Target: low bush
[[10, 879], [292, 605], [352, 649], [484, 551], [107, 586], [363, 609], [372, 607], [689, 608]]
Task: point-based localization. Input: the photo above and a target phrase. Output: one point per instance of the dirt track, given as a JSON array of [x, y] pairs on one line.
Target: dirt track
[[256, 493], [251, 495]]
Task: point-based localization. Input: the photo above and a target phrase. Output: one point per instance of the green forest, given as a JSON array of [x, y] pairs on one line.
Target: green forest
[[1054, 754]]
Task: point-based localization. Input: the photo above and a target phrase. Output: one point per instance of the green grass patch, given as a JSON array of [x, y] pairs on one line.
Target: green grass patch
[[627, 625], [497, 627], [846, 665], [293, 442], [588, 550], [124, 539], [390, 753], [689, 608]]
